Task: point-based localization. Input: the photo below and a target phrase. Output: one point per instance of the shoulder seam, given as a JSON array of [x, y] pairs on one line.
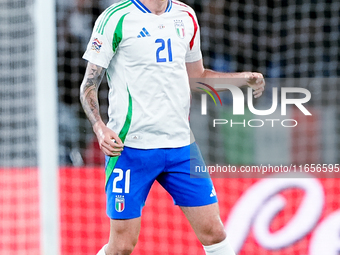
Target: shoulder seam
[[118, 33], [108, 14], [181, 4]]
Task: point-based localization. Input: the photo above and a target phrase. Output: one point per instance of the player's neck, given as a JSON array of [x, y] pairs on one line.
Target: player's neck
[[157, 7]]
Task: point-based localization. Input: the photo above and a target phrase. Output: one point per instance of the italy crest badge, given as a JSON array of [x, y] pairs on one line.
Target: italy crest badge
[[180, 29], [120, 203]]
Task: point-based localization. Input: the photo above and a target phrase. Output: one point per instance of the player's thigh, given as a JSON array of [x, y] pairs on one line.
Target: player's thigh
[[131, 178], [123, 235], [186, 188], [206, 222]]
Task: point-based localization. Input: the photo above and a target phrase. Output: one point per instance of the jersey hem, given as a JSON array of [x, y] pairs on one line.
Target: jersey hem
[[95, 61], [158, 146], [193, 59]]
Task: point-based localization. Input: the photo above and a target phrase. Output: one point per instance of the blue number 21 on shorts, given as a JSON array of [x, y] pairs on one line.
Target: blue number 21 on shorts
[[137, 169]]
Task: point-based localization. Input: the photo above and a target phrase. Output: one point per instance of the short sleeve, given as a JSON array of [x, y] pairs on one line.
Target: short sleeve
[[194, 50], [99, 49]]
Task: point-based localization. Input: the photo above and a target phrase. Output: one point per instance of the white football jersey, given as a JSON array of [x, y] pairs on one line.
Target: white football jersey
[[145, 56]]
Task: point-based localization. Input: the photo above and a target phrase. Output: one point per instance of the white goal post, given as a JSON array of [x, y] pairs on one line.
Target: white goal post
[[46, 94]]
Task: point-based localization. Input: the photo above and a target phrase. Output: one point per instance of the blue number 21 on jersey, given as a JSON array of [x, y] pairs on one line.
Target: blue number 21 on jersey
[[162, 48]]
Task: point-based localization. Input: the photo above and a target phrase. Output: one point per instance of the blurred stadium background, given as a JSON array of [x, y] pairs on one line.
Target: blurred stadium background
[[282, 39]]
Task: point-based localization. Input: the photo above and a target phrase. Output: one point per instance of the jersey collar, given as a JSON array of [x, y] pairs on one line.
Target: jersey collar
[[144, 9]]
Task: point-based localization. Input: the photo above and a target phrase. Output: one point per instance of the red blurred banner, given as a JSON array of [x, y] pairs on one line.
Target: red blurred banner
[[276, 216]]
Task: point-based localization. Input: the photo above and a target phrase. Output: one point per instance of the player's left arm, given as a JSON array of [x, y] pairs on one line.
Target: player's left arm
[[251, 79]]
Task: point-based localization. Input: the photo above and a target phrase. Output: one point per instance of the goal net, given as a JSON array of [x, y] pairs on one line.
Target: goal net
[[293, 43], [19, 210]]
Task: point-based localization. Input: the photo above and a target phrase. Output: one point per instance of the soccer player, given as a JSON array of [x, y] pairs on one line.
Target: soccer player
[[149, 49]]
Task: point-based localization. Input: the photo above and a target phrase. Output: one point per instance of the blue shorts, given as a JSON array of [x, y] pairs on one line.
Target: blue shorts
[[136, 169]]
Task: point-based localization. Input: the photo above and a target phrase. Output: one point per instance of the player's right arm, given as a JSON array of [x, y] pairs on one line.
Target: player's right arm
[[89, 100], [252, 79]]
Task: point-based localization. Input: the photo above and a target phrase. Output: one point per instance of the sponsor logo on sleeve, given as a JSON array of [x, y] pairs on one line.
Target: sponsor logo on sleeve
[[96, 45]]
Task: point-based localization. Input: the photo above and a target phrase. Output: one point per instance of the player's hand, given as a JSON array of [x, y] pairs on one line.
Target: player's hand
[[256, 82], [108, 140]]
